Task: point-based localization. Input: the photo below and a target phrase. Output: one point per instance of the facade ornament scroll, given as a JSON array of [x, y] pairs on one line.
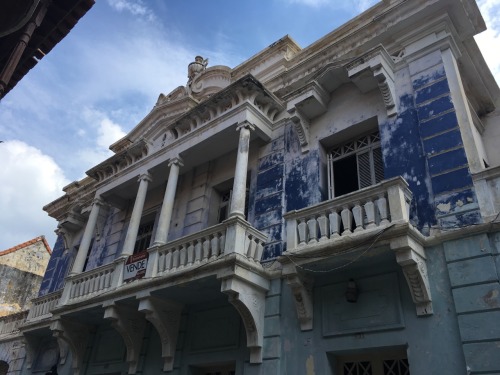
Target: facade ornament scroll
[[249, 300], [130, 324], [302, 294], [378, 66], [165, 316], [411, 257], [73, 336], [301, 124]]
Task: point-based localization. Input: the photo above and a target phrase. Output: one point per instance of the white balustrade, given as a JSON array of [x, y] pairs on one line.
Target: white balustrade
[[207, 246], [91, 282], [42, 306], [372, 207]]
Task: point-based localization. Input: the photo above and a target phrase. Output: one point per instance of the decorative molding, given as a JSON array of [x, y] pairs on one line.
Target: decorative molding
[[30, 345], [381, 67], [165, 316], [301, 124], [249, 300], [73, 336], [302, 295], [410, 255], [130, 324]]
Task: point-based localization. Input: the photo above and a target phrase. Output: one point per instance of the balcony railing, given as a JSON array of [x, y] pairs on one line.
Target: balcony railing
[[232, 236], [372, 207], [487, 185], [41, 306]]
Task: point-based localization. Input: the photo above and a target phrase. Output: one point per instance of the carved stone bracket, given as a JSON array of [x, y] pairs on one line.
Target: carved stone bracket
[[301, 124], [411, 257], [302, 293], [165, 316], [73, 336], [309, 102], [130, 324], [249, 301], [376, 67]]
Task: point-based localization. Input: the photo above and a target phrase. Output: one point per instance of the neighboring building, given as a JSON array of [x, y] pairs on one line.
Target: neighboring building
[[29, 29], [21, 271], [326, 210]]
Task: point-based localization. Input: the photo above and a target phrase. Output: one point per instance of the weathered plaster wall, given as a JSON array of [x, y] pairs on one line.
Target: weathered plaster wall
[[384, 317], [32, 259], [473, 265], [17, 288]]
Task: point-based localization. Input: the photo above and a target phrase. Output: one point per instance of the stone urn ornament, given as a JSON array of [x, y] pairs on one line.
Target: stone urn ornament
[[198, 66]]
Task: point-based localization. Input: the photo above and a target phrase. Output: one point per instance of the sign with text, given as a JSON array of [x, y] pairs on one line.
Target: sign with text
[[135, 266]]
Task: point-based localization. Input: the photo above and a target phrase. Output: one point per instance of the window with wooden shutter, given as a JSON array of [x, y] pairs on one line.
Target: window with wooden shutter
[[355, 165]]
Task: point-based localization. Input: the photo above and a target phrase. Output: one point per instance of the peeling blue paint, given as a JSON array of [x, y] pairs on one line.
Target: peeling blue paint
[[435, 107], [403, 156], [439, 124], [442, 162], [443, 142], [427, 93], [434, 76], [457, 179]]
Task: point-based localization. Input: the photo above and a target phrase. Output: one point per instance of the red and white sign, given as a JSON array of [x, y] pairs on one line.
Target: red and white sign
[[135, 266]]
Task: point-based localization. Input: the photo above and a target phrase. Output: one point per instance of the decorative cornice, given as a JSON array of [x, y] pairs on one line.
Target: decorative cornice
[[245, 90], [120, 161]]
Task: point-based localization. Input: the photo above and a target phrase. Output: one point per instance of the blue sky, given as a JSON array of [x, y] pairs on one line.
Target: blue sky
[[106, 75]]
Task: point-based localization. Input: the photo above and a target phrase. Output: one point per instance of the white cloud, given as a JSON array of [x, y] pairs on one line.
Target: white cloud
[[489, 40], [104, 132], [30, 180], [135, 7], [357, 5]]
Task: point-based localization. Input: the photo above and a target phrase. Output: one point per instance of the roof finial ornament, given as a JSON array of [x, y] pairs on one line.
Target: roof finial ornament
[[198, 66]]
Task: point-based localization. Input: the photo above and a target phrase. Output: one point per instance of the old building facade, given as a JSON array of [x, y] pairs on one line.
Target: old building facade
[[21, 272], [326, 210]]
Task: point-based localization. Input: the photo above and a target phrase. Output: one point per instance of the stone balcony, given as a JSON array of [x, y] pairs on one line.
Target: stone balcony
[[230, 251], [377, 215]]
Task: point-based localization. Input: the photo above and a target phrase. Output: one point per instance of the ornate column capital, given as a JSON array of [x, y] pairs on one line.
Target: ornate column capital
[[245, 125], [145, 177], [177, 160]]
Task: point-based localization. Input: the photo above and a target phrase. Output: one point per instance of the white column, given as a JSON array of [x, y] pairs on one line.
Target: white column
[[240, 174], [135, 218], [84, 248], [167, 207]]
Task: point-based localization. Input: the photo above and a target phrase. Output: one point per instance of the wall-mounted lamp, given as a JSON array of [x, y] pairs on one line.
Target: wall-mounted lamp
[[351, 293]]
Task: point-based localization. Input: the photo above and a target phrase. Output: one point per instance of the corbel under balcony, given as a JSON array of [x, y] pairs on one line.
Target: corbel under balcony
[[72, 335], [249, 299], [165, 316], [322, 232], [130, 324], [376, 67], [410, 255], [308, 103], [302, 292]]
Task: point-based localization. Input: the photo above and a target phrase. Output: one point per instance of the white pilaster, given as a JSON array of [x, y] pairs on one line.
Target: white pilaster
[[135, 218], [240, 174], [87, 237], [168, 203]]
